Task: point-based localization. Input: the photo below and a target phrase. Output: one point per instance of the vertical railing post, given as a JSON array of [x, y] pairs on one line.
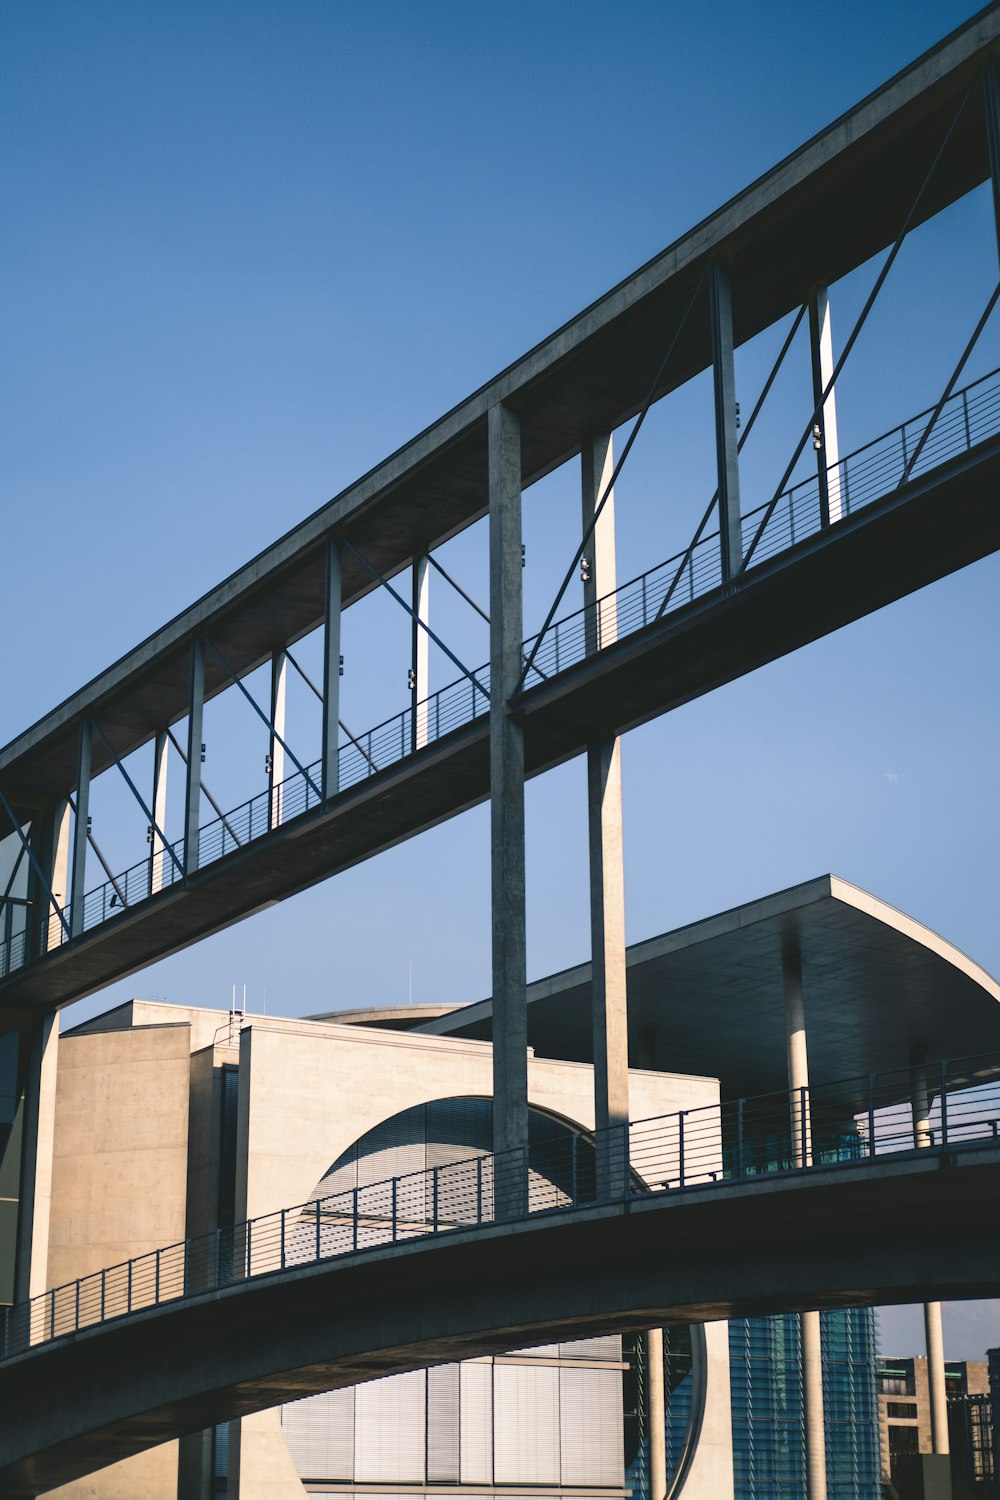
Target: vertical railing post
[[944, 1102], [249, 1249], [739, 1139], [283, 1212], [76, 1306], [680, 1146], [965, 415], [395, 1182], [574, 1168], [805, 1155], [6, 1331], [156, 1286], [354, 1212], [319, 1252], [871, 1114], [128, 1287], [52, 1313], [479, 1189], [103, 1289], [434, 1198]]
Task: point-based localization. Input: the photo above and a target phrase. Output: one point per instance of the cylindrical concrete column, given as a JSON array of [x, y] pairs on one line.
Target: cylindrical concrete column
[[921, 1100], [810, 1333], [934, 1334], [656, 1415]]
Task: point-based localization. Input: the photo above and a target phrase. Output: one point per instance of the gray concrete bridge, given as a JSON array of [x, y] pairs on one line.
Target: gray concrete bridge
[[896, 1229]]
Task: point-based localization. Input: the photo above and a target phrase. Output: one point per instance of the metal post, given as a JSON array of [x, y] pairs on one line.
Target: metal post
[[76, 1304], [420, 649], [479, 1189], [726, 422], [680, 1146], [79, 876], [871, 1114], [510, 1016], [739, 1139], [161, 749], [332, 670], [52, 1313], [128, 1288], [395, 1182], [195, 750], [825, 430], [276, 750], [943, 1087], [156, 1281], [355, 1216], [283, 1212], [319, 1252], [103, 1288], [434, 1199]]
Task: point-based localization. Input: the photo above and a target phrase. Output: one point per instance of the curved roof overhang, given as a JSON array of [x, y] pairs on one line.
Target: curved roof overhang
[[879, 989]]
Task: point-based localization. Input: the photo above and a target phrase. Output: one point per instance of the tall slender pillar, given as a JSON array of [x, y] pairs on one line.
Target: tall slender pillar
[[920, 1105], [726, 423], [810, 1331], [55, 862], [332, 669], [39, 1041], [196, 723], [81, 825], [657, 1415], [609, 1007], [510, 1019], [825, 431], [419, 681], [161, 751], [991, 101], [276, 754]]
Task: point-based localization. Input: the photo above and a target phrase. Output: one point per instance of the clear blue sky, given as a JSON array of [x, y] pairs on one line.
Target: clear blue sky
[[249, 249]]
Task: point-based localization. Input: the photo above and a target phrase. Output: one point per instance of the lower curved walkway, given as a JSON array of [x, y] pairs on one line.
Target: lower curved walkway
[[905, 1228]]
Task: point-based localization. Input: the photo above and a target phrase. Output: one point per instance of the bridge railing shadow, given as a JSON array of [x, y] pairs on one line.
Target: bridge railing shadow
[[939, 1106]]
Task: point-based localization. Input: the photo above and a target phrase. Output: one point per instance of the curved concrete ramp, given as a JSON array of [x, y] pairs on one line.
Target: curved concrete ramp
[[902, 1229]]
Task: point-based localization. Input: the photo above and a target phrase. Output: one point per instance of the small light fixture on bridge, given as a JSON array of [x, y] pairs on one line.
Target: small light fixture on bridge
[[268, 765], [584, 569], [411, 678], [817, 437]]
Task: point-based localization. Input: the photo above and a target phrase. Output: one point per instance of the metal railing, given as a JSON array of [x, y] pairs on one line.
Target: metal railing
[[945, 1106], [868, 474]]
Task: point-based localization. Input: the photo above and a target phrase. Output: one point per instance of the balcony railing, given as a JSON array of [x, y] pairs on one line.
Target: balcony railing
[[947, 1106], [968, 418]]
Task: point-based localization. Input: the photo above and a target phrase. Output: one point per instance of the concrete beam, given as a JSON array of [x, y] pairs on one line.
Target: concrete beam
[[510, 1009], [276, 753], [726, 420], [196, 731], [810, 1329], [609, 1003], [158, 807], [825, 440], [420, 649]]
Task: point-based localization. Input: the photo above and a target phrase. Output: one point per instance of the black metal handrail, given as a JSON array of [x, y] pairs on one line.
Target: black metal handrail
[[944, 1106]]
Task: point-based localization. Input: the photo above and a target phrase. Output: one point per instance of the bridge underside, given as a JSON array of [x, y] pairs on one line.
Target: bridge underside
[[936, 525], [901, 1230]]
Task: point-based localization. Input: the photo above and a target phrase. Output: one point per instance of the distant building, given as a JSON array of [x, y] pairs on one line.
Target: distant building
[[905, 1422]]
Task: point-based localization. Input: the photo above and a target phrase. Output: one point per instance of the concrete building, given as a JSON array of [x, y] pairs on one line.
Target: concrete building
[[171, 1121], [158, 1123], [909, 1463]]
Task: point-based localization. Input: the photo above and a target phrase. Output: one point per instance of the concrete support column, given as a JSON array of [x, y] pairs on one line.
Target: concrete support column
[[276, 753], [825, 439], [78, 877], [810, 1331], [55, 862], [510, 1020], [40, 1042], [421, 642], [921, 1100], [657, 1414], [332, 669], [726, 423], [609, 1009], [196, 723], [158, 807], [991, 102]]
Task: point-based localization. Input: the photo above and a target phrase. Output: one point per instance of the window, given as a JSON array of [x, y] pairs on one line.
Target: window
[[901, 1409], [903, 1440]]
